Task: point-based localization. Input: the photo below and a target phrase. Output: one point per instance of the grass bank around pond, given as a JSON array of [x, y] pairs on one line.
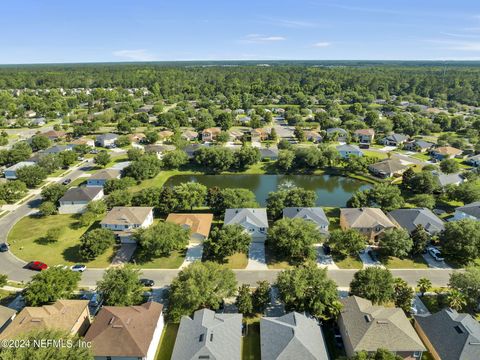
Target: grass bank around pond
[[27, 241], [167, 342]]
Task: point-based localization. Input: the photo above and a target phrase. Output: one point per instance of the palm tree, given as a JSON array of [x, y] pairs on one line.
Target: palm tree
[[456, 300], [424, 285]]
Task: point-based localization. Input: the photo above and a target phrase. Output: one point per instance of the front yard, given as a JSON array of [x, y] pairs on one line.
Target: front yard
[[347, 262], [27, 241], [418, 262], [174, 261]]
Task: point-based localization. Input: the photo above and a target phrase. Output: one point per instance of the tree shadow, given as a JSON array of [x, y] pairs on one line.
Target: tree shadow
[[44, 241], [142, 256], [72, 254]]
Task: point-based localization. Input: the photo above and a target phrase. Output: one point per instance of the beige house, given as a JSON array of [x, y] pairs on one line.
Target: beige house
[[123, 221], [198, 224], [189, 135], [259, 134], [71, 316], [371, 222], [126, 332], [210, 134], [165, 134], [364, 136]]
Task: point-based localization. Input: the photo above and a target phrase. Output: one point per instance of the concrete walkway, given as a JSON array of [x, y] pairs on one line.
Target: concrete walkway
[[194, 253], [325, 261], [124, 254], [367, 260], [256, 257]]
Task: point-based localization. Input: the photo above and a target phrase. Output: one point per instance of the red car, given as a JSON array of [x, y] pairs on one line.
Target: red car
[[38, 266]]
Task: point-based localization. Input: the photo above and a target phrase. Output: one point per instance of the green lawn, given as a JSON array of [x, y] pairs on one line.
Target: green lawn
[[78, 182], [173, 261], [347, 262], [167, 342], [417, 262], [236, 261], [27, 241], [375, 154], [273, 262], [251, 342], [333, 215], [161, 178]]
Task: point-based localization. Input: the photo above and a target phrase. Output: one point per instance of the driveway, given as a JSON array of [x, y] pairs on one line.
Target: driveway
[[434, 264], [124, 254], [418, 307], [256, 257], [194, 253], [275, 308], [367, 260], [325, 261]]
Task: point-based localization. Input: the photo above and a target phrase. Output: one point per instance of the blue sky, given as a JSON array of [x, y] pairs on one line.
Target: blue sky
[[51, 31]]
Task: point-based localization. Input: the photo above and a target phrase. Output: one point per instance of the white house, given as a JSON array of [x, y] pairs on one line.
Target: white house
[[312, 214], [346, 151], [76, 199], [123, 221], [158, 149], [254, 221], [469, 211], [11, 172]]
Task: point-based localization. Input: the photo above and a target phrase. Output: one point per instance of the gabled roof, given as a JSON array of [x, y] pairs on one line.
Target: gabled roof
[[446, 179], [257, 217], [336, 130], [54, 134], [409, 219], [213, 130], [20, 165], [124, 330], [365, 217], [369, 327], [423, 144], [454, 336], [388, 166], [197, 223], [350, 148], [62, 315], [108, 136], [126, 215], [292, 336], [472, 209], [209, 334], [106, 174], [81, 194], [56, 149], [396, 137], [447, 150], [314, 214], [5, 315], [369, 132], [159, 148]]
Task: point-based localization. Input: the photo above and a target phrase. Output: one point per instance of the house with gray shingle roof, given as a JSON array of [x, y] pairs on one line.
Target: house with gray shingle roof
[[447, 179], [409, 219], [394, 139], [76, 200], [368, 327], [419, 145], [254, 221], [449, 335], [101, 177], [371, 222], [106, 140], [292, 336], [469, 211], [387, 168], [347, 151], [313, 214], [209, 336]]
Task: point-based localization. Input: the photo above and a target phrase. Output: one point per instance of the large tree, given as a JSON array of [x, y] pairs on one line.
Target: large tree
[[244, 300], [403, 295], [53, 192], [468, 283], [32, 176], [293, 239], [50, 285], [190, 195], [146, 167], [296, 197], [449, 166], [226, 241], [347, 242], [230, 198], [174, 159], [12, 191], [162, 238], [96, 242], [200, 285], [373, 283], [396, 242], [461, 240], [121, 286], [307, 288]]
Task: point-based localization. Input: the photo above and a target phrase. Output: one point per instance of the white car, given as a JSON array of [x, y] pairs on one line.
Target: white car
[[436, 254], [78, 267]]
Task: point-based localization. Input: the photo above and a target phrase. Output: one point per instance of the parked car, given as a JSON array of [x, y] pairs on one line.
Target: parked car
[[78, 267], [37, 266], [93, 151], [66, 181], [326, 249], [436, 254], [3, 247], [147, 282]]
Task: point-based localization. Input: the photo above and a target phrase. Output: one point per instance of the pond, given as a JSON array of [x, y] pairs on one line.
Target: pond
[[331, 190]]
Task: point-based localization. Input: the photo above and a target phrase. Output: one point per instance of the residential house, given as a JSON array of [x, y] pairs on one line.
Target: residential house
[[30, 114], [159, 149], [144, 109], [312, 214], [57, 149], [126, 332], [6, 317], [123, 221], [410, 219], [165, 134], [418, 146], [11, 172], [445, 152], [198, 224], [209, 335], [210, 134], [189, 135], [269, 153], [313, 136], [254, 221], [371, 222], [55, 135], [83, 141], [191, 148], [38, 121], [106, 140], [468, 211], [394, 139], [101, 177], [338, 134], [235, 135], [474, 160], [346, 151], [259, 134], [387, 168], [367, 327], [448, 179], [291, 336], [449, 335], [137, 138], [364, 136], [71, 316], [76, 199]]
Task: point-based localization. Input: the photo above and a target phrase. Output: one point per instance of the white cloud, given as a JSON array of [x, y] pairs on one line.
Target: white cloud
[[135, 55], [257, 38], [457, 45], [322, 44]]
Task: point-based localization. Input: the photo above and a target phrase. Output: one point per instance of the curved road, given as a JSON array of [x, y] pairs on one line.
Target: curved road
[[15, 268]]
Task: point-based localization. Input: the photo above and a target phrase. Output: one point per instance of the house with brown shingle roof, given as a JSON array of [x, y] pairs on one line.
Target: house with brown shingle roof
[[364, 136], [445, 152], [124, 220], [259, 134], [165, 134], [368, 327], [387, 168], [126, 332], [6, 316], [55, 135], [189, 135], [198, 224], [371, 222], [71, 316], [210, 134], [101, 177]]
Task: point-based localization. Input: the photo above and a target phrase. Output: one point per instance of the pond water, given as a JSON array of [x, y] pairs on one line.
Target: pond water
[[331, 190]]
